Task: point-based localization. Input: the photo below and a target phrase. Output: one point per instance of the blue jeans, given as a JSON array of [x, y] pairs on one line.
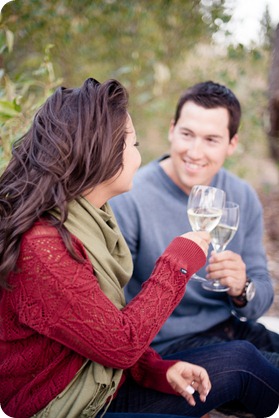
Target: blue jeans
[[139, 415], [237, 370], [232, 329]]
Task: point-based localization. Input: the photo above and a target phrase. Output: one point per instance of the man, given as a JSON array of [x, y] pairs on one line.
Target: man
[[202, 134]]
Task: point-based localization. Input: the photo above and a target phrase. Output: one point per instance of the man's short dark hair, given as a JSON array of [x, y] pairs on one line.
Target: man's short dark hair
[[211, 95]]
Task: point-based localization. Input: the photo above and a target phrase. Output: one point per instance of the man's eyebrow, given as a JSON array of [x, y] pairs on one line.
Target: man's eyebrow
[[214, 136], [184, 128]]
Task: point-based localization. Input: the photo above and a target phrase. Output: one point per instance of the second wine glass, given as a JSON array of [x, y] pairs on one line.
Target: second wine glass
[[221, 235], [204, 210]]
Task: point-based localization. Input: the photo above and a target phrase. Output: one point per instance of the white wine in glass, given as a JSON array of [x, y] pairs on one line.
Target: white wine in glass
[[204, 210], [203, 219], [221, 235]]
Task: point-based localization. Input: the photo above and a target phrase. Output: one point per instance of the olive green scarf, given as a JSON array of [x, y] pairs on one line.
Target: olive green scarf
[[107, 250], [112, 263]]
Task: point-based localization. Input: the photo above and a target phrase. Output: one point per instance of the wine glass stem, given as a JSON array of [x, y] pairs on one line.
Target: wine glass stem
[[216, 282]]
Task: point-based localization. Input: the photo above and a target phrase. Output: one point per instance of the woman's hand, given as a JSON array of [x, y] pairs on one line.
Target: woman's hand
[[186, 378], [201, 238]]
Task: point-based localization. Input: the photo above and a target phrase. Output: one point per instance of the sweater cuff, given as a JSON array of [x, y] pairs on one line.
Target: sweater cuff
[[162, 384], [187, 254]]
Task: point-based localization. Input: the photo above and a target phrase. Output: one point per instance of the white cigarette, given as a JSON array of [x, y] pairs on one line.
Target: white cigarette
[[190, 389]]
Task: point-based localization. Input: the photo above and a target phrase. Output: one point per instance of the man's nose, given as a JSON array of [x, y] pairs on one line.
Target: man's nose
[[195, 147]]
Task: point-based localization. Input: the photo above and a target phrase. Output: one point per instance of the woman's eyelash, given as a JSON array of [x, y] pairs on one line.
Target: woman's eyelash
[[136, 144]]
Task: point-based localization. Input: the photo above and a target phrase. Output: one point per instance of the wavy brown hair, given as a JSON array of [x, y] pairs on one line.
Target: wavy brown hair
[[75, 142]]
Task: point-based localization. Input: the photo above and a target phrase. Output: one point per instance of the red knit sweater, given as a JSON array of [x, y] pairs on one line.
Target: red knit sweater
[[56, 316]]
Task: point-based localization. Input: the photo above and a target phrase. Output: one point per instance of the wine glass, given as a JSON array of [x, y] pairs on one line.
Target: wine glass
[[221, 235], [204, 210]]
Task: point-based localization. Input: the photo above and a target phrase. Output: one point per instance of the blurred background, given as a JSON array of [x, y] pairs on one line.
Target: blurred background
[[156, 49]]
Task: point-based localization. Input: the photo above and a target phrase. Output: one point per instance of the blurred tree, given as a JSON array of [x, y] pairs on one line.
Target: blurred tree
[[109, 38], [19, 99], [155, 48], [141, 43], [273, 133], [267, 29]]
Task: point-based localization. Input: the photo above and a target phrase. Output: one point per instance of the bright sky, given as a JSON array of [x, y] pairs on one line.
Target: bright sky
[[245, 23], [2, 3]]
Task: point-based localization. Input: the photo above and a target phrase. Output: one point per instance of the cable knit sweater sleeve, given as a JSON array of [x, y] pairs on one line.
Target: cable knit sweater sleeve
[[150, 371], [60, 298]]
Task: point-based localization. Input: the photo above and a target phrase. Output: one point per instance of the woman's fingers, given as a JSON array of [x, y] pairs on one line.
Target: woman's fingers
[[187, 378]]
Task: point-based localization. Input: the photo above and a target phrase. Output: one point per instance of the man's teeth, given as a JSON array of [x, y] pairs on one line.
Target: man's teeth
[[194, 166]]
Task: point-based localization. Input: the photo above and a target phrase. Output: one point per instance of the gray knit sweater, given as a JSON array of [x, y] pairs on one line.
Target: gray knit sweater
[[154, 212]]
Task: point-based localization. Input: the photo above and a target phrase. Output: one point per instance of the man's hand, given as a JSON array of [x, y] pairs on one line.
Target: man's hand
[[229, 268], [186, 378]]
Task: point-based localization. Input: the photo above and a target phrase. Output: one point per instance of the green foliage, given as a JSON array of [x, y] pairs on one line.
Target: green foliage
[[138, 42], [107, 38], [155, 48], [267, 29], [19, 99]]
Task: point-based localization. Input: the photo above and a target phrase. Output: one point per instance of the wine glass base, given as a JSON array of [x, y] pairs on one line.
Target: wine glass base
[[214, 286], [197, 278]]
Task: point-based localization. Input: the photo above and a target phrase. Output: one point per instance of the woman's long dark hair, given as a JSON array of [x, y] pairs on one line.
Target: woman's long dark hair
[[76, 142]]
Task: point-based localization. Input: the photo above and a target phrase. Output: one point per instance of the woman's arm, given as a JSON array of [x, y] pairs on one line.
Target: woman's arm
[[61, 299], [171, 376]]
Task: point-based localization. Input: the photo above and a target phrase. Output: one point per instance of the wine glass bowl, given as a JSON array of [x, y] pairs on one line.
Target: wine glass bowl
[[221, 235], [205, 205]]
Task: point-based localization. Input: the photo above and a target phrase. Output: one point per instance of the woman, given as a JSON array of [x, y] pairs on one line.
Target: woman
[[69, 345]]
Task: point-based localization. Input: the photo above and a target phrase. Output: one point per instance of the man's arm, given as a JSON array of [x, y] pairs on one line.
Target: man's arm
[[246, 258]]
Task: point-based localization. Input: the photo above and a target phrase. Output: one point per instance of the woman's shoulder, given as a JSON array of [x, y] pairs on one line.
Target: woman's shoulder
[[44, 238], [41, 228], [43, 231]]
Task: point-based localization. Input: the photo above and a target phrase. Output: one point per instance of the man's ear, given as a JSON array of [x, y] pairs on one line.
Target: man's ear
[[171, 128], [232, 145]]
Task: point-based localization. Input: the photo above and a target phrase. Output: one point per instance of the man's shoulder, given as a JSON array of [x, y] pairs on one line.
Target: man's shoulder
[[231, 180], [236, 188], [147, 179], [145, 184], [147, 171]]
